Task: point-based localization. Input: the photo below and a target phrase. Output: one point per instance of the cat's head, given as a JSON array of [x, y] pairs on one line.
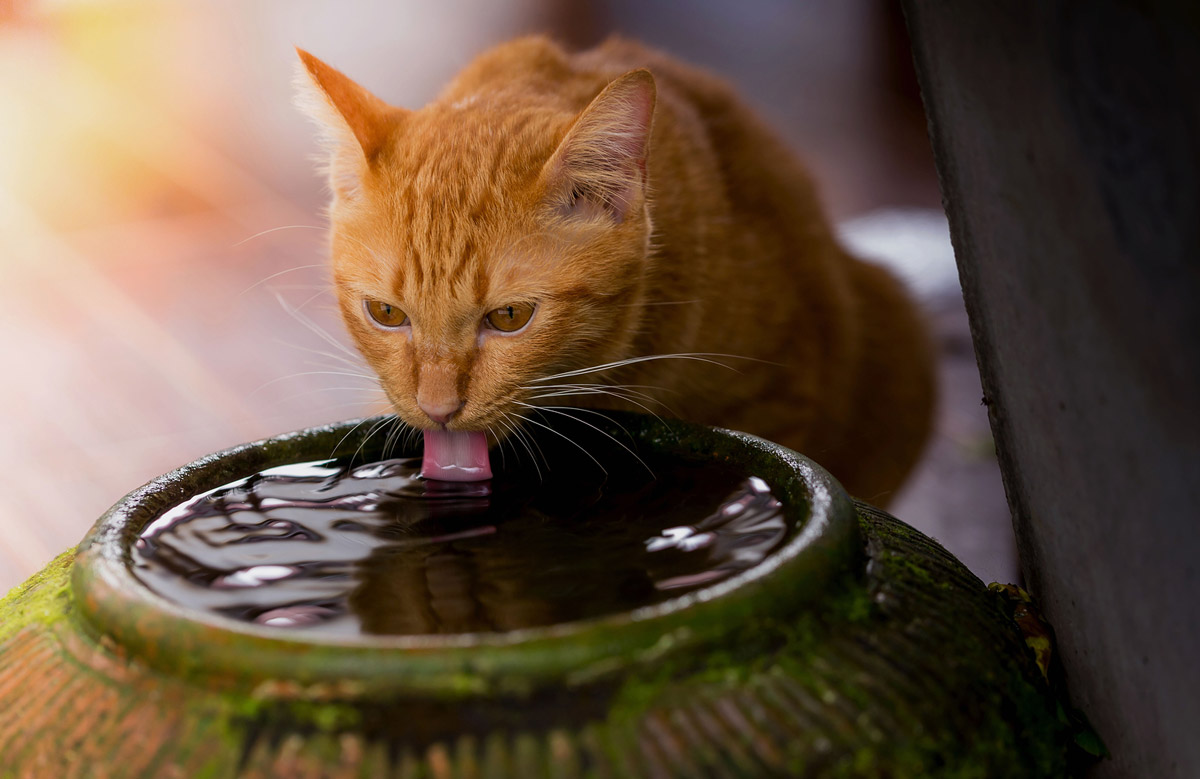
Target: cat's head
[[487, 241]]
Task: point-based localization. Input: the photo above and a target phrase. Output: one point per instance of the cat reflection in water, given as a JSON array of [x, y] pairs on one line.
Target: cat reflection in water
[[610, 229]]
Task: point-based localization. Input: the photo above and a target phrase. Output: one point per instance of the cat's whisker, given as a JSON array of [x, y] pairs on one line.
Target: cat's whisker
[[378, 396], [260, 282], [528, 437], [375, 390], [530, 443], [353, 410], [386, 420], [349, 433], [568, 439], [356, 364], [629, 393], [406, 441], [270, 230], [629, 400], [522, 437], [601, 414], [390, 440], [629, 388], [314, 328], [510, 438], [408, 438], [692, 356], [565, 437], [342, 365], [541, 452], [560, 411], [616, 390], [321, 364], [307, 301], [488, 431], [387, 430], [662, 303], [276, 380]]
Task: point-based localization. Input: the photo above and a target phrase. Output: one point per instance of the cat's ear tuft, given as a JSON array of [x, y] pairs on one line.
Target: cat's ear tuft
[[355, 124], [600, 167]]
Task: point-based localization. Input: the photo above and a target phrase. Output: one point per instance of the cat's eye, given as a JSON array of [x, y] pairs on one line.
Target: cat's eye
[[385, 314], [510, 319]]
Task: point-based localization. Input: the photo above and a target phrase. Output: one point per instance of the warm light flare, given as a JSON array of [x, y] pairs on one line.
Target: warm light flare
[[94, 129]]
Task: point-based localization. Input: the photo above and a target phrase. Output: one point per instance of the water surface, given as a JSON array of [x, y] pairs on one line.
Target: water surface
[[374, 549]]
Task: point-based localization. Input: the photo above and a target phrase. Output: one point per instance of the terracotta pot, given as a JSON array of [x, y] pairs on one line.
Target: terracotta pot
[[860, 647]]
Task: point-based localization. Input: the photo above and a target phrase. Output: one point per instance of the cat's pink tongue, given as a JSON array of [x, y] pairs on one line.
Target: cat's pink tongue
[[454, 456]]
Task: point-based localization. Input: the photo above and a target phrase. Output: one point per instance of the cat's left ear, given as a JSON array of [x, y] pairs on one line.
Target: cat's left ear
[[600, 166], [356, 124]]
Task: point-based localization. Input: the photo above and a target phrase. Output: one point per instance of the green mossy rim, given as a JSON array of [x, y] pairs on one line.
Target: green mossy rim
[[823, 550]]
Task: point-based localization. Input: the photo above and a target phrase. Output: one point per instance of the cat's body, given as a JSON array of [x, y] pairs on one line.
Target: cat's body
[[694, 233]]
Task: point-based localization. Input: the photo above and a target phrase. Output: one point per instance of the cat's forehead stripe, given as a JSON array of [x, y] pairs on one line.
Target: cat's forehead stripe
[[455, 178], [452, 187]]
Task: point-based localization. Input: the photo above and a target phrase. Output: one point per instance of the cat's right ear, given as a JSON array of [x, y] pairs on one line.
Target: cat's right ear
[[355, 124], [600, 166]]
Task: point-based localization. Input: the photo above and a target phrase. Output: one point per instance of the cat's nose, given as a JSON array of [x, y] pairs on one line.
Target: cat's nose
[[441, 412]]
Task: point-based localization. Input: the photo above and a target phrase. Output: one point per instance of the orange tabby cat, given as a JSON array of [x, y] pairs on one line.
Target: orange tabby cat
[[550, 213]]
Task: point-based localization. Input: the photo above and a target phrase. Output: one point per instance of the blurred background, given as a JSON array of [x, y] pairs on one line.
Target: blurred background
[[163, 292]]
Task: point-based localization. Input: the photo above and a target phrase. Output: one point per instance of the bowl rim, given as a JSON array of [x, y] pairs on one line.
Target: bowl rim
[[113, 604]]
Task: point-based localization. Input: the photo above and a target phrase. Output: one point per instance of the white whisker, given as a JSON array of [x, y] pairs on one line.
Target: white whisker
[[616, 392], [664, 303], [275, 230], [409, 437], [349, 433], [260, 282], [298, 287], [316, 329], [365, 377], [631, 401], [566, 438], [357, 363], [694, 357], [631, 389], [524, 439], [377, 397], [388, 419], [510, 438], [311, 299], [391, 439], [499, 446], [557, 410]]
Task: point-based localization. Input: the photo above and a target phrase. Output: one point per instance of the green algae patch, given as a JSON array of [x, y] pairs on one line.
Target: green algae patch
[[906, 671], [42, 599], [764, 646]]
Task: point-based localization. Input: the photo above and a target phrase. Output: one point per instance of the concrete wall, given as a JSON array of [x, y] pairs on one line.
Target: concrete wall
[[1067, 137]]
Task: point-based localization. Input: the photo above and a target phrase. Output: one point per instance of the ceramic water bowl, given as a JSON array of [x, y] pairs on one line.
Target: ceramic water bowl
[[858, 647]]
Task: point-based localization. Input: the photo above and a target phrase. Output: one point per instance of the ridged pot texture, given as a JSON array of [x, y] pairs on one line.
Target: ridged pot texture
[[858, 648]]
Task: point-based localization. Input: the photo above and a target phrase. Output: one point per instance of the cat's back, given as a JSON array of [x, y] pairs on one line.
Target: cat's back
[[702, 128], [534, 69], [530, 71]]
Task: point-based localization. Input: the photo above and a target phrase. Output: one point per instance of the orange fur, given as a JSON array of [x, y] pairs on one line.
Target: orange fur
[[644, 211]]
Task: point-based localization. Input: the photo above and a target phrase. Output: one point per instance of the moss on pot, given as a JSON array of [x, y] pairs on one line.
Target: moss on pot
[[861, 649]]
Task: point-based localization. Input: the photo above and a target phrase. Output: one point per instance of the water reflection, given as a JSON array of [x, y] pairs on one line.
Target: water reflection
[[376, 549]]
